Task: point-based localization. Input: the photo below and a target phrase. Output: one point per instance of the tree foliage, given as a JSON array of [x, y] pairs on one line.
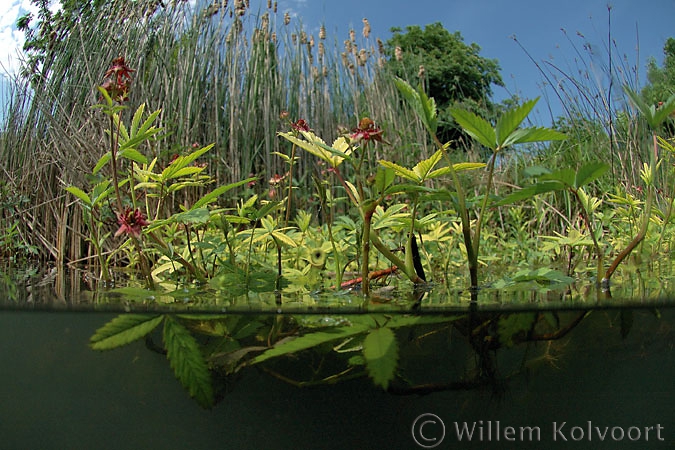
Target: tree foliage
[[661, 79], [453, 72]]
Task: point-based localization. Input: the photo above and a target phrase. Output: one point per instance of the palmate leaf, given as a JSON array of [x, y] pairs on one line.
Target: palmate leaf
[[477, 127], [123, 330], [401, 171], [534, 134], [380, 350], [511, 119], [174, 170], [187, 362]]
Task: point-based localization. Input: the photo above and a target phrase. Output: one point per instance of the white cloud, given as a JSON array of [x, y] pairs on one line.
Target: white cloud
[[11, 40]]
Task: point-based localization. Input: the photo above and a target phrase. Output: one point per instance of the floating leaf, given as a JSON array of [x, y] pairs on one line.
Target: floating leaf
[[187, 362], [123, 330], [380, 350]]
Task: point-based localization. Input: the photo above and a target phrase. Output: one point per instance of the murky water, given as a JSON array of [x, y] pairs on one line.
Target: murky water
[[57, 393], [600, 376]]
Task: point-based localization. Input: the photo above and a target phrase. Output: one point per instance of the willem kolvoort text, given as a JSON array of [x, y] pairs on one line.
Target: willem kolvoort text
[[558, 431]]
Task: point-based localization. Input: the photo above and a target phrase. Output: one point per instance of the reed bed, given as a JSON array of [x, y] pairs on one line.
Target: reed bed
[[220, 73]]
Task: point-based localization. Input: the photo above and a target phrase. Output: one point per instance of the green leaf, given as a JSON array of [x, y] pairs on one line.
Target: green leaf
[[476, 127], [79, 193], [401, 171], [103, 160], [565, 176], [424, 107], [589, 173], [136, 119], [134, 155], [380, 350], [310, 340], [457, 167], [513, 328], [123, 330], [383, 178], [653, 116], [198, 216], [534, 134], [187, 362], [511, 119], [217, 192], [530, 191]]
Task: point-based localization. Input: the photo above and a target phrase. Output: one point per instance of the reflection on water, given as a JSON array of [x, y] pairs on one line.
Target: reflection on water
[[54, 288]]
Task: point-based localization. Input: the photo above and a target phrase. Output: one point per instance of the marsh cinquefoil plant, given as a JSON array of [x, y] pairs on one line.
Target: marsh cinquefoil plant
[[505, 133], [137, 184]]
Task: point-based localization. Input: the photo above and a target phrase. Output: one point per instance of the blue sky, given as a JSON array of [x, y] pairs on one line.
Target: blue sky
[[537, 24]]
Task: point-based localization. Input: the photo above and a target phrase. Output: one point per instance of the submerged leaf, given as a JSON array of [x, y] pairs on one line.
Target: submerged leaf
[[123, 330], [380, 350], [514, 327], [188, 362], [309, 340]]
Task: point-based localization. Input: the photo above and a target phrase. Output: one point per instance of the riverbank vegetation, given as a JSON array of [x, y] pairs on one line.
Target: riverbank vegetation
[[240, 149]]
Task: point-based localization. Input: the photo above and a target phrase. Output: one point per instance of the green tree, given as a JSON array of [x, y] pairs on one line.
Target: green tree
[[661, 79], [453, 73]]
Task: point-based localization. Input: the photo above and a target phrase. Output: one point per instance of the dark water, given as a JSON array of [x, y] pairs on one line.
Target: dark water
[[57, 393]]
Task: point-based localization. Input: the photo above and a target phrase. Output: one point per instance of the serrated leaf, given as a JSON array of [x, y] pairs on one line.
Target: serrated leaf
[[79, 193], [136, 119], [534, 134], [477, 127], [123, 330], [589, 173], [102, 161], [383, 178], [401, 171], [380, 350], [424, 106], [187, 362], [512, 119], [458, 167], [134, 155]]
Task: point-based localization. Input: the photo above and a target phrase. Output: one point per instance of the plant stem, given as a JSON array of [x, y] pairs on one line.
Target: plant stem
[[365, 250], [471, 255], [646, 216]]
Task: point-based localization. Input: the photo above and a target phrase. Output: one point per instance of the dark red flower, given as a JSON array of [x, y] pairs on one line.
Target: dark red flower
[[300, 125], [366, 131], [131, 222], [117, 80]]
